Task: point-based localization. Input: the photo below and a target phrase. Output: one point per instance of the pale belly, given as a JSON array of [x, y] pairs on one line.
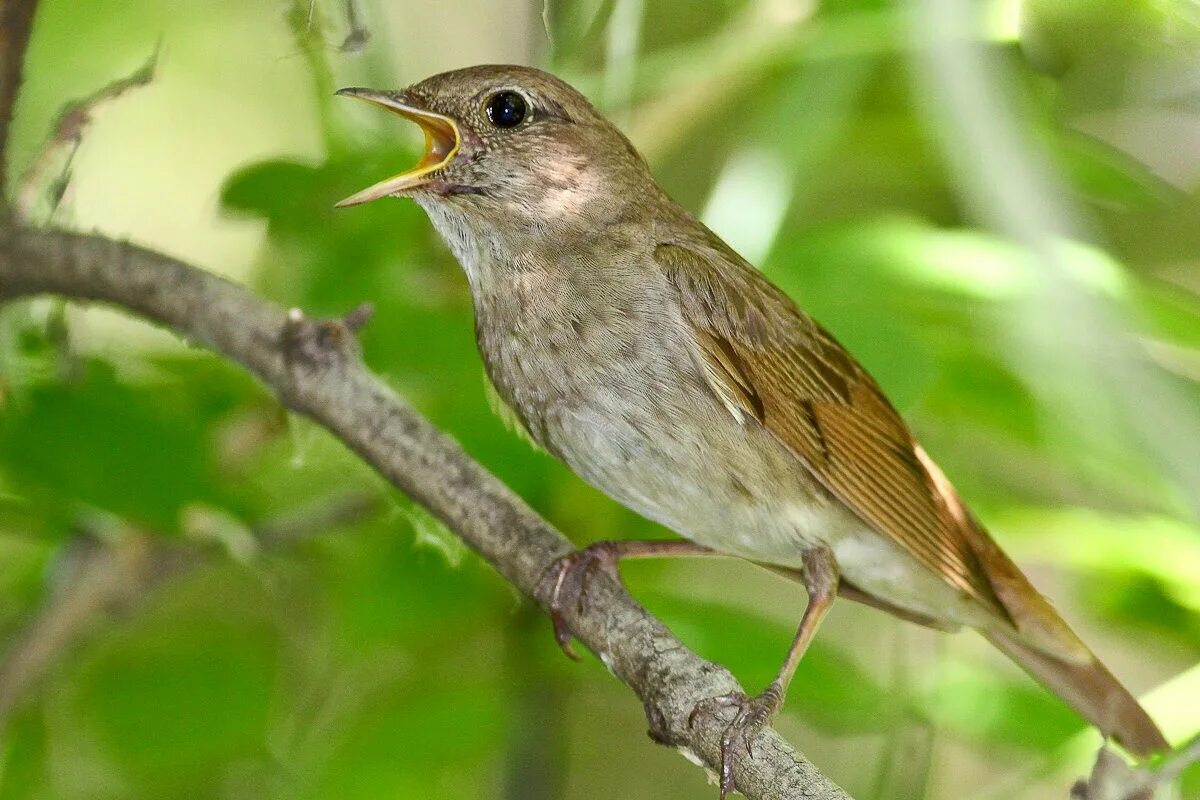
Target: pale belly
[[733, 487], [687, 464]]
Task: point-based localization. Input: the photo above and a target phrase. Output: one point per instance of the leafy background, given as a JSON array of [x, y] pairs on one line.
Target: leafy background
[[202, 596]]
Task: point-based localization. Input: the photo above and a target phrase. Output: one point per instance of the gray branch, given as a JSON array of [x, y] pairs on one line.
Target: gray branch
[[314, 368]]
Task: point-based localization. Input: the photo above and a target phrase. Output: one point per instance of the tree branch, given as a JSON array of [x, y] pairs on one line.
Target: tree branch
[[109, 574], [100, 576], [314, 368]]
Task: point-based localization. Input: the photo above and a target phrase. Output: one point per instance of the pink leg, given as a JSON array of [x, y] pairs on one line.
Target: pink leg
[[820, 575]]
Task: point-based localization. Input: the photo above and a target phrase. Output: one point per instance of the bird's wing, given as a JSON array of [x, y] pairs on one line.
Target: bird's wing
[[768, 360]]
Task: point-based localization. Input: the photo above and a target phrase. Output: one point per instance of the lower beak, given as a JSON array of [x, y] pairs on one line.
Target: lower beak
[[442, 141]]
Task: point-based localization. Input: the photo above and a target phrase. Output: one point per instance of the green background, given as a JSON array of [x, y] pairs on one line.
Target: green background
[[203, 596]]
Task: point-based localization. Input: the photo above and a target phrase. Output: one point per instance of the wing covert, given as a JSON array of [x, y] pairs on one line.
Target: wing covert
[[767, 360]]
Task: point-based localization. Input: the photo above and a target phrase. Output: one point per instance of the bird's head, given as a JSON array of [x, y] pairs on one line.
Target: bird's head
[[512, 145]]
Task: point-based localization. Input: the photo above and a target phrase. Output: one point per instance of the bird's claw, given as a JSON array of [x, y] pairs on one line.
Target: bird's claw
[[753, 714], [567, 580]]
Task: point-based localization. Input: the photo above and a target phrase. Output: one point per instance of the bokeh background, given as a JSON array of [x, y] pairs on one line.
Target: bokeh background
[[994, 204]]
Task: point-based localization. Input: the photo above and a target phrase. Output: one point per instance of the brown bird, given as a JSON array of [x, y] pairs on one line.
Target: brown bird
[[634, 345]]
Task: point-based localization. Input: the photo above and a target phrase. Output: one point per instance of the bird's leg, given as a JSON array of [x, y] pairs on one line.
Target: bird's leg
[[566, 580], [820, 574]]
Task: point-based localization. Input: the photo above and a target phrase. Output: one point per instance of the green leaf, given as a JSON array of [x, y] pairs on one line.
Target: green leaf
[[98, 441], [984, 708], [178, 695]]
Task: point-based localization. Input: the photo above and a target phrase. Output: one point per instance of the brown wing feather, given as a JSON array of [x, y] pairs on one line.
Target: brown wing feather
[[778, 366], [808, 391]]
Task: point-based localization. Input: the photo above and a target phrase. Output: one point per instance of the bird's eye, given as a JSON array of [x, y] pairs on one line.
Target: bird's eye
[[506, 109]]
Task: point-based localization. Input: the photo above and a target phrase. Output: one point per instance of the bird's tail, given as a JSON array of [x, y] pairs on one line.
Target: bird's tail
[[1090, 689]]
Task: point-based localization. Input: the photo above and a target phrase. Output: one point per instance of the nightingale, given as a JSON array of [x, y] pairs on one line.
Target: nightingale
[[634, 345]]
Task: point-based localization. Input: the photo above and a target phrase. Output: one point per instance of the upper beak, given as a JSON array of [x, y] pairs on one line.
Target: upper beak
[[442, 141]]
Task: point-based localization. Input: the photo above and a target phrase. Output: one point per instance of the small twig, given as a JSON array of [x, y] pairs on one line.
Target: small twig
[[67, 133], [55, 191], [1113, 778], [16, 23], [358, 317], [1183, 757], [308, 32], [102, 576], [113, 573], [359, 35]]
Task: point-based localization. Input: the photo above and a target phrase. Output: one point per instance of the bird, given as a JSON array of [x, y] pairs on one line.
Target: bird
[[630, 342]]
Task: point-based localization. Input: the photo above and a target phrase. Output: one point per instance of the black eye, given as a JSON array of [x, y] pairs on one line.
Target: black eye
[[506, 109]]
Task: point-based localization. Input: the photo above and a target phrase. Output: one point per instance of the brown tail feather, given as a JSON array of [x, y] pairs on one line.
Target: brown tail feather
[[1091, 690]]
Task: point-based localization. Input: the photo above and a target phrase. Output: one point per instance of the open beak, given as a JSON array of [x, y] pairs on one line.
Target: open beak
[[442, 140]]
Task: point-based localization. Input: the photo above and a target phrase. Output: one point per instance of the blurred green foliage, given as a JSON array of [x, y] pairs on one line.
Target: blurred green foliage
[[184, 616]]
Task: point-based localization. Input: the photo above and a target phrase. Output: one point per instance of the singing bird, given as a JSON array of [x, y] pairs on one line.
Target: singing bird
[[634, 345]]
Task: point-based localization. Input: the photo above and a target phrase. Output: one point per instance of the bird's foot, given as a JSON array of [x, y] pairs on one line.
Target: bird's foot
[[566, 581], [753, 714]]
